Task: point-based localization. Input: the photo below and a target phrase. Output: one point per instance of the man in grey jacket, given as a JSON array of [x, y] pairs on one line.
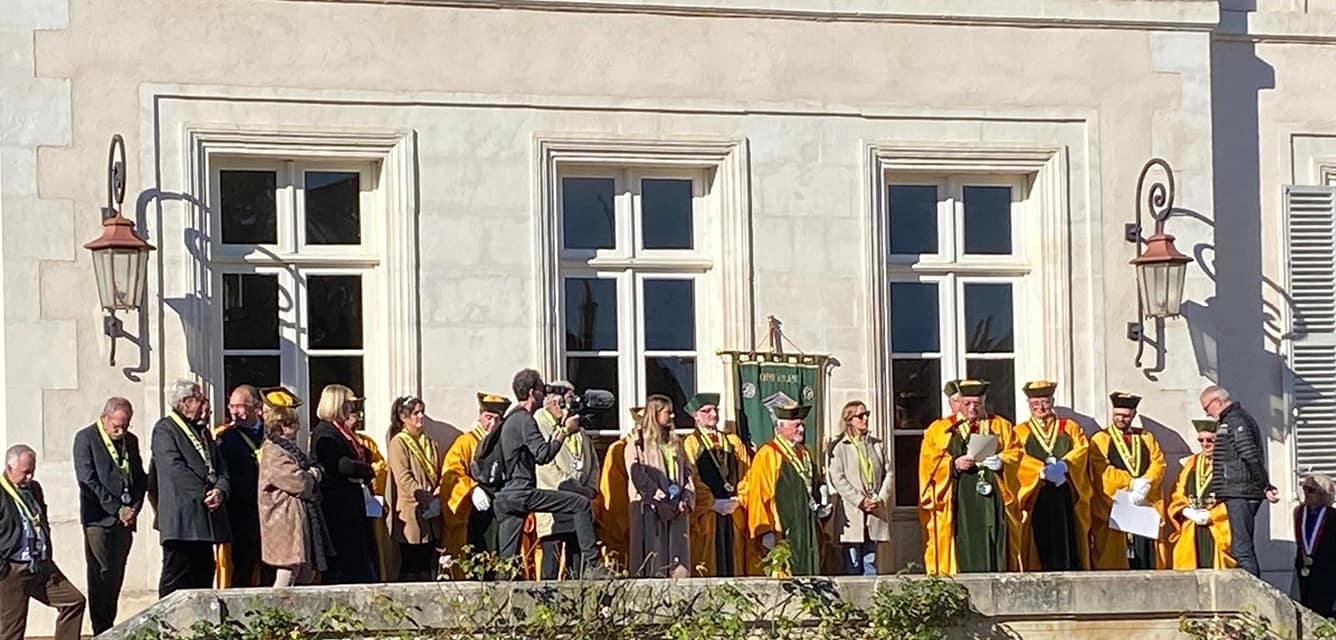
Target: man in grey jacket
[[1239, 477]]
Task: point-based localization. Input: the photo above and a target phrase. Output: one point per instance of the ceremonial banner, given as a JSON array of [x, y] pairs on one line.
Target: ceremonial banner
[[763, 381]]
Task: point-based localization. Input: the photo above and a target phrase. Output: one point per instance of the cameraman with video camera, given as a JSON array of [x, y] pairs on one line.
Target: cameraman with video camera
[[523, 446]]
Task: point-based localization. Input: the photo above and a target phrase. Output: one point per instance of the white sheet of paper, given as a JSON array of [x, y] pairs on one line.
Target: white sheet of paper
[[981, 446], [1127, 517], [372, 505]]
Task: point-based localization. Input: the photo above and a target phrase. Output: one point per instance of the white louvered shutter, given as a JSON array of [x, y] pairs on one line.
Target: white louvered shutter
[[1310, 226]]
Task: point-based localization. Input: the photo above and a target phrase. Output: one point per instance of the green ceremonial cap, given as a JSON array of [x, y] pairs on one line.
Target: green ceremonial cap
[[973, 388], [1040, 389], [951, 388], [492, 403], [638, 414], [700, 401], [1122, 400], [1205, 426], [793, 411]]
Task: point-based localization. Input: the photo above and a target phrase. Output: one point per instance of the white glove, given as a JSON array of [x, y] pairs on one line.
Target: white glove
[[993, 462], [724, 506], [1200, 516], [768, 540], [1141, 486], [1056, 475], [1060, 469], [824, 511], [481, 501]]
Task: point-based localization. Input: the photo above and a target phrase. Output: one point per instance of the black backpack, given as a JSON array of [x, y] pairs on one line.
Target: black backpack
[[488, 467]]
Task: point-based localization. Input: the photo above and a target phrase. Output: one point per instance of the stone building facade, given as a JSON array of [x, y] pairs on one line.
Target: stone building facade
[[424, 196]]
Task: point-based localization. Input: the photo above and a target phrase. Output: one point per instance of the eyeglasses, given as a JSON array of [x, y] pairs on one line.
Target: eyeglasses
[[1206, 440], [862, 415], [1308, 488]]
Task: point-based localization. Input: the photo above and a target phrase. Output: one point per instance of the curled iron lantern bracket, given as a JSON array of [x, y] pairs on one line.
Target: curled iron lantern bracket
[[1158, 201]]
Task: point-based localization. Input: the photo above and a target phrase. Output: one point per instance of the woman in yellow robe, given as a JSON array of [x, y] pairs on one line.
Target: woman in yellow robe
[[615, 522], [1198, 546], [943, 444], [1128, 459], [1054, 520]]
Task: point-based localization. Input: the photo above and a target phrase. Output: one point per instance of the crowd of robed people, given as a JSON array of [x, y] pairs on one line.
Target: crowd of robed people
[[243, 504]]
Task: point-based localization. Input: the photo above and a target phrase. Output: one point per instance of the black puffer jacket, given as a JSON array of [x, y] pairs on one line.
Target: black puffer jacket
[[1239, 464]]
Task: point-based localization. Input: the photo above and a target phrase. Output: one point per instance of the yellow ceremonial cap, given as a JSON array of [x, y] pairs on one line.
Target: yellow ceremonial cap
[[280, 397], [1040, 389], [492, 403], [638, 414]]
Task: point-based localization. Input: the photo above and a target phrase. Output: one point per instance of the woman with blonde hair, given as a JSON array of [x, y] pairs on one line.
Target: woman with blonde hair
[[860, 472], [293, 535], [345, 488], [413, 495], [662, 494], [1315, 553]]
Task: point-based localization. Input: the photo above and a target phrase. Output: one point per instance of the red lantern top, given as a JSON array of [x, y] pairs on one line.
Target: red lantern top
[[118, 233]]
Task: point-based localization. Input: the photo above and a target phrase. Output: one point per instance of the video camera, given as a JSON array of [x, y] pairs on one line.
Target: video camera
[[585, 405]]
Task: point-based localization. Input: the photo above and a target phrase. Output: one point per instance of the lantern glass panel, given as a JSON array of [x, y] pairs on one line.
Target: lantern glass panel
[[103, 272], [1176, 273]]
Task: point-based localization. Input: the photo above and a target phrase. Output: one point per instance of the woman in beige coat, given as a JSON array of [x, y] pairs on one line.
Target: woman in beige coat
[[662, 495], [293, 535], [415, 479], [860, 473]]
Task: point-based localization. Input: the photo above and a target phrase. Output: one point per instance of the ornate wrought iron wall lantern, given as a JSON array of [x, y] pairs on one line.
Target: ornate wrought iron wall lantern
[[1161, 269]]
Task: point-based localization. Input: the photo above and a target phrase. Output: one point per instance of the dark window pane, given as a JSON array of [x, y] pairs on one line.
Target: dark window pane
[[988, 220], [670, 315], [1002, 392], [250, 311], [261, 371], [587, 213], [334, 310], [327, 370], [918, 392], [914, 318], [333, 207], [591, 314], [665, 214], [906, 469], [247, 207], [913, 213], [675, 378], [988, 318], [597, 373]]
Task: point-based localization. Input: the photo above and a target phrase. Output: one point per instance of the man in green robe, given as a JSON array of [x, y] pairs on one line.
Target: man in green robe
[[782, 493]]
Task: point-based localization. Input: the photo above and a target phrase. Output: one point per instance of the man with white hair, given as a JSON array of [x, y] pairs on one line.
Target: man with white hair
[[112, 483], [193, 487], [26, 568], [1240, 478]]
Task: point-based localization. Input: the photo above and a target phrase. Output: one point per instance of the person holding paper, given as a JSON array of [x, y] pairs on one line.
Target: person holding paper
[[781, 493], [1125, 458], [719, 461], [1052, 487], [1201, 536], [961, 468], [414, 492], [345, 487]]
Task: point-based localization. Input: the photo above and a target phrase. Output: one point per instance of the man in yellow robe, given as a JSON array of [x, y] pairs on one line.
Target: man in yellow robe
[[969, 507], [1124, 457], [781, 496], [719, 462], [468, 516], [1201, 527], [614, 525], [1052, 487]]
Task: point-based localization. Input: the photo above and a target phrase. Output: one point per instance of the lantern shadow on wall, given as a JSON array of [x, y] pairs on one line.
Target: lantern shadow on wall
[[120, 255]]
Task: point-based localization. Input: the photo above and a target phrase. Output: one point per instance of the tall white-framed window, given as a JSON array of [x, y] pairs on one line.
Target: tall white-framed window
[[634, 267], [957, 273], [294, 268]]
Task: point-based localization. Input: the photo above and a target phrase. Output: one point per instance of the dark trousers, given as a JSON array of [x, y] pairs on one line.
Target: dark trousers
[[46, 585], [247, 570], [106, 550], [556, 548], [185, 565], [513, 507], [416, 562], [355, 551], [1242, 522]]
